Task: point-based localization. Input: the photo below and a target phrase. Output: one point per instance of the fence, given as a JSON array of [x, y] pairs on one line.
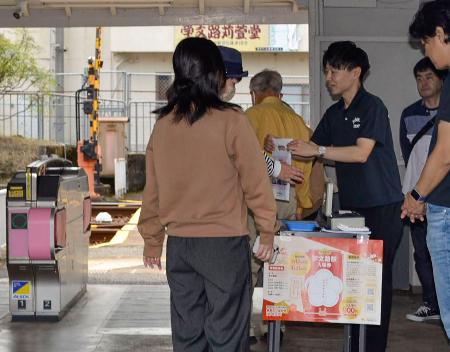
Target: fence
[[49, 117], [134, 95], [113, 84], [152, 87], [140, 126]]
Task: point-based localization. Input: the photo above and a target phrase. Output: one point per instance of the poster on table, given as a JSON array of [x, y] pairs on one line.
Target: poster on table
[[333, 280]]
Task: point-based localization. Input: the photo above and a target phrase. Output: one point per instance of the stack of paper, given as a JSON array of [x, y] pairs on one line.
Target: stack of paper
[[346, 228]]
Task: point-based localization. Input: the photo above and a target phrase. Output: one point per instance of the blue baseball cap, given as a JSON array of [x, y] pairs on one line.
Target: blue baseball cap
[[233, 62]]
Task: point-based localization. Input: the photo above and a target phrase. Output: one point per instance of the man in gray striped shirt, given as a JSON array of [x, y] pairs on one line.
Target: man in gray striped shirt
[[416, 127]]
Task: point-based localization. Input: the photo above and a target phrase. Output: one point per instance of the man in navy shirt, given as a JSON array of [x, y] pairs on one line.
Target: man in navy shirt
[[356, 134], [432, 26], [416, 127]]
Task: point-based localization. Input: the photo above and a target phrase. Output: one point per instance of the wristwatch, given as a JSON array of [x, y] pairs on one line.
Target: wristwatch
[[416, 195], [322, 150]]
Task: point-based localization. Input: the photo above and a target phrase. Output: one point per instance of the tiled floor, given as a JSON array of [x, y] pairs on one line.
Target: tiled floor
[[135, 318], [126, 309]]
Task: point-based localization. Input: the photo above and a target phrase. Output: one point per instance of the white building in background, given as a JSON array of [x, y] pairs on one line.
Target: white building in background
[[138, 59], [280, 47], [137, 71]]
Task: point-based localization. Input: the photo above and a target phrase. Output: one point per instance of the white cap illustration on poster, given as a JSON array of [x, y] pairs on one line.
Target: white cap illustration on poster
[[323, 288]]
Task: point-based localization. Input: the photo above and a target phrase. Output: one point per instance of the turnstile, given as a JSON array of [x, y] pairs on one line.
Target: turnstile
[[48, 230]]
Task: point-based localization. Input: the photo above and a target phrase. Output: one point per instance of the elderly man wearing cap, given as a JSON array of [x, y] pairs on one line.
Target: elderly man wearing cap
[[234, 72], [271, 116]]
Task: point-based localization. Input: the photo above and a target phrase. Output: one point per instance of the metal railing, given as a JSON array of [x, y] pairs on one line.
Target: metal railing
[[48, 116], [132, 95], [140, 126], [142, 120]]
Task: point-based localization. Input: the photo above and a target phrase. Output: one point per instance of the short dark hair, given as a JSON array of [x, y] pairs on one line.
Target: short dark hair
[[346, 55], [426, 64], [429, 16], [199, 78]]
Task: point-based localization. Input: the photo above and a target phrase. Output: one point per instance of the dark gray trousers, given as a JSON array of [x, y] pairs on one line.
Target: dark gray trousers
[[210, 300]]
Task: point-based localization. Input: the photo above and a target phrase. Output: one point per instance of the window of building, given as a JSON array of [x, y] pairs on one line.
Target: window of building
[[297, 96]]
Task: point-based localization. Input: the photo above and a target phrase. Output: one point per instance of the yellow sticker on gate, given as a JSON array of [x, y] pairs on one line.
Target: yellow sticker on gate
[[21, 289], [16, 192]]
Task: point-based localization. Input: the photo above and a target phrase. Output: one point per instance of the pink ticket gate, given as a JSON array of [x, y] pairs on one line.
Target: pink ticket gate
[[48, 214]]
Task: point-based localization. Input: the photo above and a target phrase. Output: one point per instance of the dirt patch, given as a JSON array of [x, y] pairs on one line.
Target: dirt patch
[[136, 172], [17, 152]]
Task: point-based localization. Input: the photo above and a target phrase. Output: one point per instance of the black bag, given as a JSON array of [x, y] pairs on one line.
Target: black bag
[[422, 131]]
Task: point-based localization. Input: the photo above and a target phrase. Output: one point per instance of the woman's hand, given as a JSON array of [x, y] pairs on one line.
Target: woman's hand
[[264, 252], [149, 262]]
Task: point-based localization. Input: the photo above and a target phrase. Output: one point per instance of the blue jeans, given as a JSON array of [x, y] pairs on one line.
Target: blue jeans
[[438, 241], [423, 264]]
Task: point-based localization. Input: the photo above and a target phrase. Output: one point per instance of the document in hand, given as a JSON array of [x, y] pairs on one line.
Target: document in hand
[[280, 188]]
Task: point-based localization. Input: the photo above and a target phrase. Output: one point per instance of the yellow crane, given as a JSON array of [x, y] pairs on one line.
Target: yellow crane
[[88, 150]]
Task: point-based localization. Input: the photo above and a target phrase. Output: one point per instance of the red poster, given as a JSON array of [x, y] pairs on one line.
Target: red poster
[[324, 280]]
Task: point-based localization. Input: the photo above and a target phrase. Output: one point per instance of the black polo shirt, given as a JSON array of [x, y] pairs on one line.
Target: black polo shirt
[[377, 181], [441, 194]]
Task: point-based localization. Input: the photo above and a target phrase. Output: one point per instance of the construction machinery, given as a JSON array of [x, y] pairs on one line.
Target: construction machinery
[[89, 152]]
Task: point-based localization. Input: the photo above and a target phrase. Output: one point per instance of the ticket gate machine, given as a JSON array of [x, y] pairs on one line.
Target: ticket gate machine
[[48, 230]]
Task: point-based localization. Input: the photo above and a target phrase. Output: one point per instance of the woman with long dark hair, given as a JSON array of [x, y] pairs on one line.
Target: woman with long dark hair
[[203, 169]]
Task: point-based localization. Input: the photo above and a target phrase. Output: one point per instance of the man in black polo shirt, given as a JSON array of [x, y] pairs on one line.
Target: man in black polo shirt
[[356, 134], [432, 26]]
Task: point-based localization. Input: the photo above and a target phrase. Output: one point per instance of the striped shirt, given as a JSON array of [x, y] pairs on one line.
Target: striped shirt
[[413, 118], [273, 166]]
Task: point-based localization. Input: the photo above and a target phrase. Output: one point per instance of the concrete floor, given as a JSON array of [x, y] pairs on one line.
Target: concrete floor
[[126, 309], [135, 318]]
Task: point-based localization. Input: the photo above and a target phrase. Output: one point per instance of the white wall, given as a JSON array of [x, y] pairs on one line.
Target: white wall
[[382, 30], [145, 49], [288, 64], [142, 39]]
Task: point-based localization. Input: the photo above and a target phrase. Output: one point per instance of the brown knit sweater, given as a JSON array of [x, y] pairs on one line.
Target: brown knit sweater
[[201, 178]]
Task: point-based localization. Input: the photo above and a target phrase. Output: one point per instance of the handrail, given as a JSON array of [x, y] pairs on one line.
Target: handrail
[[40, 166]]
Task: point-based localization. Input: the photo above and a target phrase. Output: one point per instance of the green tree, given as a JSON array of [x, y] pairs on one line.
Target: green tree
[[18, 67]]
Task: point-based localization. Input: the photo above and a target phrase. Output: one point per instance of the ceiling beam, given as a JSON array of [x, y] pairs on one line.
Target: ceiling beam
[[201, 7], [278, 3], [25, 8], [102, 6], [107, 2], [90, 16], [246, 6]]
